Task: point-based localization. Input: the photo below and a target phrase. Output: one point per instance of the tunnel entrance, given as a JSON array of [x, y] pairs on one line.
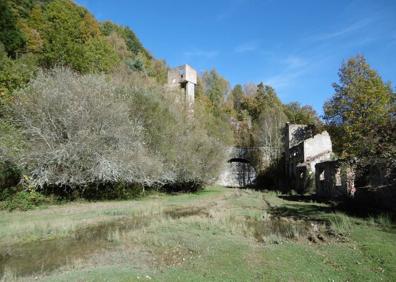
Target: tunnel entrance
[[238, 172], [238, 160]]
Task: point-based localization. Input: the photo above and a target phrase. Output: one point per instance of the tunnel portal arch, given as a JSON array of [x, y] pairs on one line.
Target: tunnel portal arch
[[238, 171]]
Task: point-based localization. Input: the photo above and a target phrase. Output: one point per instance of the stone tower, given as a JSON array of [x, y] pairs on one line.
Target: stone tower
[[184, 77]]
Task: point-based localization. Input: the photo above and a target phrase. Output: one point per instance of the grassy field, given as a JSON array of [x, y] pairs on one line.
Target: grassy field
[[219, 234]]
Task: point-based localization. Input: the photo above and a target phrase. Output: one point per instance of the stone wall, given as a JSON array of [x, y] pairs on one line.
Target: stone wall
[[318, 147], [334, 180], [303, 181], [295, 156]]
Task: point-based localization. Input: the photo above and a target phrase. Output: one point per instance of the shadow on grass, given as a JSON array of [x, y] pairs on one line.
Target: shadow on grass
[[299, 211], [355, 209], [306, 206]]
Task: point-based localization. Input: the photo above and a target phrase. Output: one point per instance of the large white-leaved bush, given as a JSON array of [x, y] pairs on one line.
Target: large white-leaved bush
[[80, 133], [84, 130]]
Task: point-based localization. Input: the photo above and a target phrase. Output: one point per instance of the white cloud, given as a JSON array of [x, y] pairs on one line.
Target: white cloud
[[284, 80], [246, 47], [346, 30], [294, 62], [295, 67]]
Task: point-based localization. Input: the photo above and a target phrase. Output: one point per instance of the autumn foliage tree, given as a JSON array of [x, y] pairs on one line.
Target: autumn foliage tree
[[361, 114]]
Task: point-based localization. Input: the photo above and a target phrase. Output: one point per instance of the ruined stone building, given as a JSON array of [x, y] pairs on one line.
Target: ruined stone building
[[310, 163], [185, 78], [303, 151], [334, 179]]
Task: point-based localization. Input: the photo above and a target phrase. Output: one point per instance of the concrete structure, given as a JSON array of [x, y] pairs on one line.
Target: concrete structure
[[239, 170], [303, 151], [334, 179], [184, 77]]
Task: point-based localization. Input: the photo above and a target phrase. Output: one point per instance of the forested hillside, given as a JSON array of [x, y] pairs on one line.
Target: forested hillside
[[44, 34]]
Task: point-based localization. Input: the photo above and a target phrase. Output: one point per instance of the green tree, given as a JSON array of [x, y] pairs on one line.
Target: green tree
[[10, 35], [264, 98], [132, 52], [236, 96], [215, 87], [301, 114], [266, 95], [361, 113], [269, 120], [133, 43], [72, 37], [199, 88], [14, 74]]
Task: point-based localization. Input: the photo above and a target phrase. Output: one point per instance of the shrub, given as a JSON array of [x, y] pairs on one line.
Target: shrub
[[80, 134], [112, 191], [24, 200], [7, 193], [11, 141], [14, 73], [9, 174], [11, 145], [273, 176]]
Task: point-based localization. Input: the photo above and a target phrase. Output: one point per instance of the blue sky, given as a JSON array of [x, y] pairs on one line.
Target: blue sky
[[295, 46]]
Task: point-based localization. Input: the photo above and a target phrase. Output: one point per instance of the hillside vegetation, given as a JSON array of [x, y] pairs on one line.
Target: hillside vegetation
[[85, 113]]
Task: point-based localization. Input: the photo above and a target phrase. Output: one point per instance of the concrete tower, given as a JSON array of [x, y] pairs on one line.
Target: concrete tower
[[184, 77]]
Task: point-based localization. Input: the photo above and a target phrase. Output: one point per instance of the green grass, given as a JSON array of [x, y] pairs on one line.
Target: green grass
[[340, 222], [218, 242]]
